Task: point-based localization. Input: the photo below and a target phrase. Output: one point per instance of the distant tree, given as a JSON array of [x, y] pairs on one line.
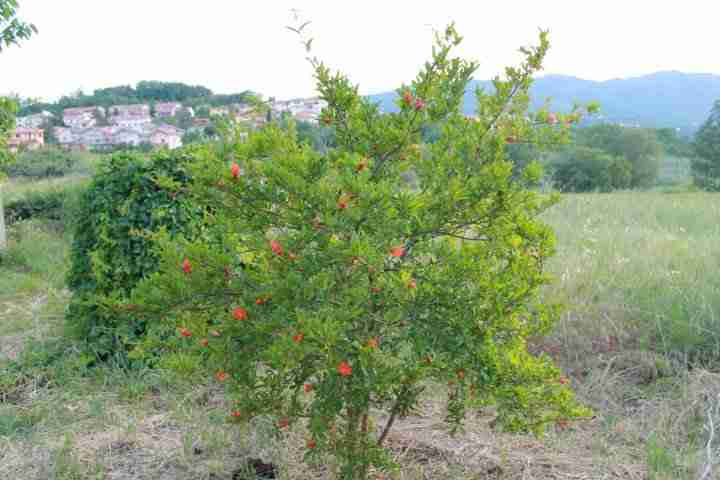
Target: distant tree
[[12, 30], [706, 163], [586, 169], [673, 143], [639, 146]]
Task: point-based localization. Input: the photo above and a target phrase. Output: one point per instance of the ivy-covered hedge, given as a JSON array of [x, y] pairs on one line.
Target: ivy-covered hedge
[[129, 197]]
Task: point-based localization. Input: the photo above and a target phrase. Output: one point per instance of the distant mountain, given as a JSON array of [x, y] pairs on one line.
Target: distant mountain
[[659, 100]]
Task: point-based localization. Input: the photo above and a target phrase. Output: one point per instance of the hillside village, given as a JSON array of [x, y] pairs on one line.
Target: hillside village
[[99, 128]]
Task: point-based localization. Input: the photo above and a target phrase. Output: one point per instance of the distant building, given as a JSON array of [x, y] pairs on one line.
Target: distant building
[[127, 137], [166, 110], [82, 117], [35, 121], [30, 138], [167, 136], [64, 135], [220, 111], [130, 116], [304, 109]]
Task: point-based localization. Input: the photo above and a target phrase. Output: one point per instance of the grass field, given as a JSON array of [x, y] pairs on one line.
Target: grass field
[[635, 271]]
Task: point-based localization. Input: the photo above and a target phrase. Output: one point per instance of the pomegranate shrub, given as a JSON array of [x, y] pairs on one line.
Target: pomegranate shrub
[[335, 293]]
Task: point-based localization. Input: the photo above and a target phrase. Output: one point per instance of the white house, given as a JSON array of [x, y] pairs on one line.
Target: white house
[[34, 121], [168, 109], [167, 136], [81, 117], [127, 137], [130, 116]]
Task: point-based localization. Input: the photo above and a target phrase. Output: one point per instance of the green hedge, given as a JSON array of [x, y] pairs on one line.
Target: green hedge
[[44, 163], [57, 204], [129, 197]]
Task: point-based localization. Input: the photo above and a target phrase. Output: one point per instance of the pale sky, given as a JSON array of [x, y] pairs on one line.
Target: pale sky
[[236, 45]]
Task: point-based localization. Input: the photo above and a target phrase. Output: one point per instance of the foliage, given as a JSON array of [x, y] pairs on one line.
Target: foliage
[[42, 163], [640, 147], [144, 92], [12, 29], [586, 169], [8, 108], [673, 143], [128, 198], [57, 204], [706, 163], [608, 157], [333, 291]]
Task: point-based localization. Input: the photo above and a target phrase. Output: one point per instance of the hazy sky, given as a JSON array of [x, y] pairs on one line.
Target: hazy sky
[[234, 45]]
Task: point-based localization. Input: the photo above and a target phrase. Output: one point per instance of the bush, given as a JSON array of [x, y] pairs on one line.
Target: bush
[[57, 204], [639, 147], [584, 169], [43, 163], [129, 197], [334, 293]]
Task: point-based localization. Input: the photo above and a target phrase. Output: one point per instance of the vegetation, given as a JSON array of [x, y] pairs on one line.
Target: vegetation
[[128, 198], [609, 157], [143, 92], [56, 203], [662, 100], [43, 163], [12, 31], [706, 163], [332, 292]]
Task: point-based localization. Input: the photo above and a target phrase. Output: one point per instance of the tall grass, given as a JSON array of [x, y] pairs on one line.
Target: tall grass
[[641, 267]]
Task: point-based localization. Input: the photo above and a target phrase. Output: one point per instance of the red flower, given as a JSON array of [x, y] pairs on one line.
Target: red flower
[[412, 284], [564, 380], [276, 247], [308, 387], [373, 343], [204, 342], [214, 333], [342, 204], [419, 104], [311, 444], [398, 251], [185, 332], [221, 376], [298, 337], [344, 369], [235, 170], [283, 423], [240, 314], [236, 414], [407, 98], [262, 300], [186, 267]]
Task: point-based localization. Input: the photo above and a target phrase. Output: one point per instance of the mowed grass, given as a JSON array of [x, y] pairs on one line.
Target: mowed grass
[[636, 272]]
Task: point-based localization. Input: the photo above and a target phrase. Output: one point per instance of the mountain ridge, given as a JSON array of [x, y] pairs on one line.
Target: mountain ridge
[[663, 99]]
